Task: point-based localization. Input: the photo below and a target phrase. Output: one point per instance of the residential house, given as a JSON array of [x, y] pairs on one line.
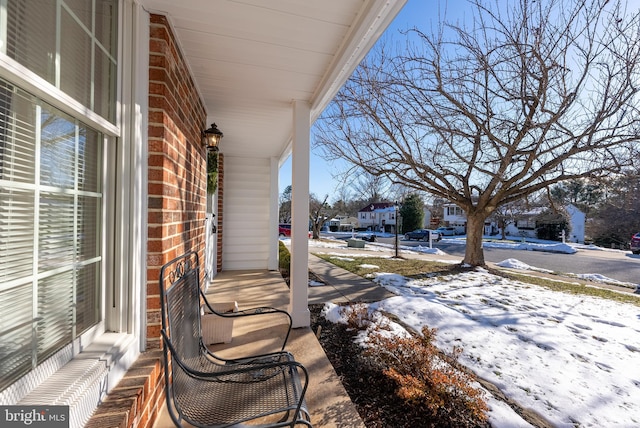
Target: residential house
[[103, 173], [455, 216], [378, 217], [527, 223], [524, 224], [342, 223]]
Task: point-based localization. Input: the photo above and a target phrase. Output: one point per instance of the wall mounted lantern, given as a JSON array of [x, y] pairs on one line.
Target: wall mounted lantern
[[211, 137]]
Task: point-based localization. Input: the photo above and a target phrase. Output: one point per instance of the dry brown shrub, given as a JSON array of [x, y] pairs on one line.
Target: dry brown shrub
[[357, 316], [425, 376]]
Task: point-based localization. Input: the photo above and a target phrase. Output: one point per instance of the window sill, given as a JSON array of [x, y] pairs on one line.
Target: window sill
[[86, 379]]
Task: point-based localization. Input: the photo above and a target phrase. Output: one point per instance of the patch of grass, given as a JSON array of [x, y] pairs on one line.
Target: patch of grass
[[411, 268], [576, 288], [415, 269], [284, 258]]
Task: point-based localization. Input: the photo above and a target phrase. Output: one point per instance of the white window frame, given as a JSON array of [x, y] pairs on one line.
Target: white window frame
[[123, 326]]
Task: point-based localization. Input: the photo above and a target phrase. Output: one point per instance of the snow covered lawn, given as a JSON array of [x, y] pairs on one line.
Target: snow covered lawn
[[573, 359]]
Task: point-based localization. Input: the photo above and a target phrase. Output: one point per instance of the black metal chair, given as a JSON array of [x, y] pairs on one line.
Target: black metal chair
[[205, 391]]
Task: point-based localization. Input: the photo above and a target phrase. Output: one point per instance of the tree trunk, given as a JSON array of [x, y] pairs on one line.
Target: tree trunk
[[474, 255], [315, 227]]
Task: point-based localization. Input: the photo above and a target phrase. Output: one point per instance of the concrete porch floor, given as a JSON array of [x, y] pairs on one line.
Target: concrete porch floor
[[327, 400]]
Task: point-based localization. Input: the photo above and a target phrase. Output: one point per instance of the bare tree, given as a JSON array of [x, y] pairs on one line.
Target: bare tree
[[284, 212], [523, 95], [505, 215], [319, 213], [370, 187]]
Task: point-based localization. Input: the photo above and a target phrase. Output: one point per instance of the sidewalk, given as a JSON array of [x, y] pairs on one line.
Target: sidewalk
[[342, 286]]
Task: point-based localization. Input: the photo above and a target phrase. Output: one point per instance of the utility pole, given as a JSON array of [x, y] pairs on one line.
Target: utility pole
[[395, 206]]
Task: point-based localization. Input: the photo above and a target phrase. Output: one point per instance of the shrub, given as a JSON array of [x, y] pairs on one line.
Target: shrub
[[424, 375], [427, 377], [357, 316], [284, 259]]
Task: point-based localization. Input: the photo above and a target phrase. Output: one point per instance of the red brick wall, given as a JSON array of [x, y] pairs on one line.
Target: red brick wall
[[177, 180], [176, 216], [177, 165]]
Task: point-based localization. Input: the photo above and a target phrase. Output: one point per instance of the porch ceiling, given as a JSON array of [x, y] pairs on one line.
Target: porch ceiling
[[252, 58]]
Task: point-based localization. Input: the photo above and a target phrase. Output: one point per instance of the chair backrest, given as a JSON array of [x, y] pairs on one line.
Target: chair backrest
[[180, 303]]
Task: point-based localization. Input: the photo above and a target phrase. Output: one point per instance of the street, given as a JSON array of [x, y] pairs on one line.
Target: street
[[617, 265]]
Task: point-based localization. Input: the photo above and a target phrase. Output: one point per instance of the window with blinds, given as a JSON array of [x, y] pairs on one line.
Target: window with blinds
[[69, 43], [50, 228], [51, 169]]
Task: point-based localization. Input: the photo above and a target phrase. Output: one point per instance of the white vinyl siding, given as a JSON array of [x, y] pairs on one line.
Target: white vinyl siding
[[246, 221]]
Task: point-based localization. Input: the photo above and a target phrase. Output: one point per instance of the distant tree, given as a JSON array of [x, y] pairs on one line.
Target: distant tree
[[370, 188], [319, 213], [485, 110], [437, 209], [284, 213], [340, 206], [505, 215], [412, 213], [618, 216], [579, 192]]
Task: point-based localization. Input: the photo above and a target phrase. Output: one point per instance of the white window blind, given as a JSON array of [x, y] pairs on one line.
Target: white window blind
[[72, 44], [50, 230]]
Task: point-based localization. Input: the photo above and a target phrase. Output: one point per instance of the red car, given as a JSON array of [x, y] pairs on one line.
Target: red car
[[284, 231], [635, 243]]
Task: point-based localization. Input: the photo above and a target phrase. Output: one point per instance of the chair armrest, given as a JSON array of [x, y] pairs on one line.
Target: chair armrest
[[252, 359]]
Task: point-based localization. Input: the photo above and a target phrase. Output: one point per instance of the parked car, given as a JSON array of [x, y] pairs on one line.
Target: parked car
[[421, 235], [284, 231], [635, 243], [370, 237], [447, 231]]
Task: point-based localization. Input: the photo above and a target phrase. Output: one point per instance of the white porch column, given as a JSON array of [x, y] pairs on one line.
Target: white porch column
[[272, 262], [298, 292]]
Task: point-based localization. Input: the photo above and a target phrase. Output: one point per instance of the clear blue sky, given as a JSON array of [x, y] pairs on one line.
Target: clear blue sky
[[416, 13]]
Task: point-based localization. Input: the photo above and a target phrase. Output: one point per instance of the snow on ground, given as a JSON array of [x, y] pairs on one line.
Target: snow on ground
[[597, 277], [533, 246], [573, 359], [530, 245], [593, 277], [369, 266], [517, 264]]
